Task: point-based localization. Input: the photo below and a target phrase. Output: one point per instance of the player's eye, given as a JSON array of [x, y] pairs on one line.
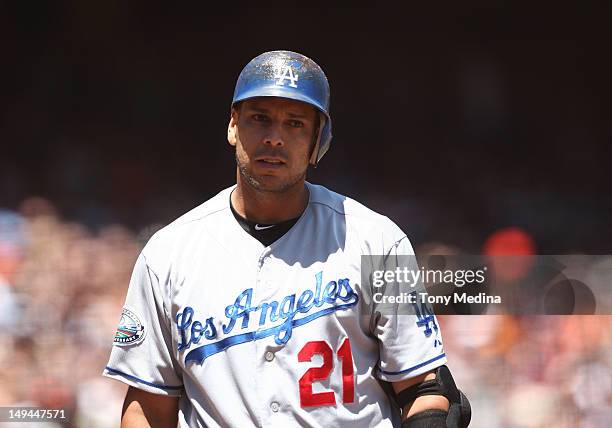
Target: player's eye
[[296, 123], [258, 117]]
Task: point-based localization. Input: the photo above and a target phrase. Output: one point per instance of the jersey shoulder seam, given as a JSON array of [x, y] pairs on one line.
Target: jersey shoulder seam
[[148, 265]]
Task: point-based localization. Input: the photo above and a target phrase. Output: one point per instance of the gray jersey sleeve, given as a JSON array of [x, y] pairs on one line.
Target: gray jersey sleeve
[[410, 341], [142, 348]]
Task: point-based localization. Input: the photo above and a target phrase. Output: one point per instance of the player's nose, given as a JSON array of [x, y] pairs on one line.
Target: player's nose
[[274, 137]]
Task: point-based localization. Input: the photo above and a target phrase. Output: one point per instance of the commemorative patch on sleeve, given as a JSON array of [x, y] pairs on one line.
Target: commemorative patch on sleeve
[[130, 329]]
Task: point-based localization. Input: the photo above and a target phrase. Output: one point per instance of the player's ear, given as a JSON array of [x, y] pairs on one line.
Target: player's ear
[[231, 127]]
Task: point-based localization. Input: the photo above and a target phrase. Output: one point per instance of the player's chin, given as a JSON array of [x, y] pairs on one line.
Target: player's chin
[[274, 183], [277, 180], [272, 172], [271, 183]]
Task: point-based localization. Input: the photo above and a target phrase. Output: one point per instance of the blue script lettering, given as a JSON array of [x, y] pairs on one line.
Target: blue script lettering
[[184, 321], [273, 306], [305, 301], [239, 310], [271, 311]]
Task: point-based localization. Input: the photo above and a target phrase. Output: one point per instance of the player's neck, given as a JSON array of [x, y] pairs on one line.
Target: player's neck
[[269, 207]]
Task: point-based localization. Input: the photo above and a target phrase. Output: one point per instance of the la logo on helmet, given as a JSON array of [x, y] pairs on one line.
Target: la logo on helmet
[[283, 73]]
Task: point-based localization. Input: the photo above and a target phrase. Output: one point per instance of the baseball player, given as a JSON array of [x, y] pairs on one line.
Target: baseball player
[[249, 309]]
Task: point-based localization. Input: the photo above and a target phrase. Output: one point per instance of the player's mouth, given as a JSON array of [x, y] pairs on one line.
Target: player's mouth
[[271, 162]]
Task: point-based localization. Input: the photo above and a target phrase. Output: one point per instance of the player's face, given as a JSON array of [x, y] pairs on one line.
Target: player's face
[[273, 138]]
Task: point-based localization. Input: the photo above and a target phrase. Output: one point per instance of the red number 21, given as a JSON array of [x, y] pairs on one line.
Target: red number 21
[[320, 347]]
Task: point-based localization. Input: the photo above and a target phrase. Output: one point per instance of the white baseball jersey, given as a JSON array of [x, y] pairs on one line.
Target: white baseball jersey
[[249, 335]]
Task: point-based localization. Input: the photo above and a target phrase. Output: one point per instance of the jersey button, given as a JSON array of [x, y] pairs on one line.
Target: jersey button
[[269, 356], [274, 406]]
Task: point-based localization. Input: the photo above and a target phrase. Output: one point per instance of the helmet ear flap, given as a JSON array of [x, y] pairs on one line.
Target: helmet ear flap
[[314, 156], [323, 139]]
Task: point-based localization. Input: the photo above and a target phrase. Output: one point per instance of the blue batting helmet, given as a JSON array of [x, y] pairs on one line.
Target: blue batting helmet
[[289, 75]]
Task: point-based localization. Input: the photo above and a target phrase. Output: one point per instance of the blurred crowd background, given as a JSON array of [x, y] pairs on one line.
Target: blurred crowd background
[[456, 124]]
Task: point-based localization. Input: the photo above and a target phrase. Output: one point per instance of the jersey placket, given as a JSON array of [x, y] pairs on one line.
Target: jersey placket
[[271, 402]]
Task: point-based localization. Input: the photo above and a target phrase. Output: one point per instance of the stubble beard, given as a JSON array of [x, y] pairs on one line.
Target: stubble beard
[[261, 186]]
